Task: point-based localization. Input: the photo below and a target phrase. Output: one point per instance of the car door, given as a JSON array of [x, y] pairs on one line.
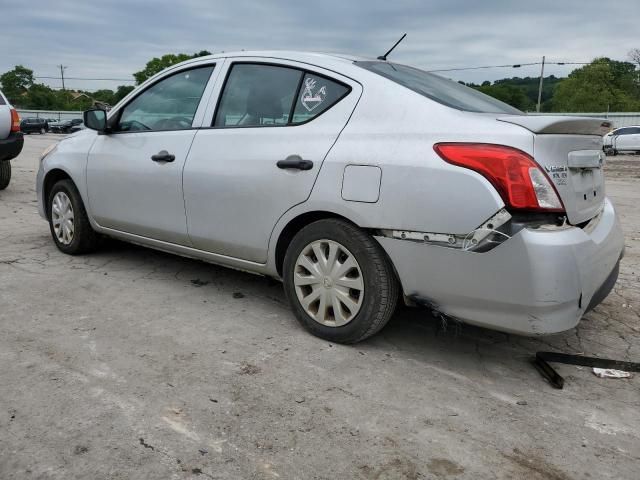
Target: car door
[[134, 173], [623, 139], [272, 128], [632, 139]]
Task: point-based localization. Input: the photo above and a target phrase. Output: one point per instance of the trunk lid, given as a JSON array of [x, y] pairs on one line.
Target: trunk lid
[[569, 149]]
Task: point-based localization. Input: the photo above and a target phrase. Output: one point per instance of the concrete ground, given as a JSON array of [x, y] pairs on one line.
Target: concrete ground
[[134, 364]]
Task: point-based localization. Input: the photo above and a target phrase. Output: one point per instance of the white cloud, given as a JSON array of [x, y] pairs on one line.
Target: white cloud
[[115, 38]]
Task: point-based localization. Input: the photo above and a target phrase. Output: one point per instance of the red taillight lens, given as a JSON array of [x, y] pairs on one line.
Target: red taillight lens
[[515, 175], [15, 120]]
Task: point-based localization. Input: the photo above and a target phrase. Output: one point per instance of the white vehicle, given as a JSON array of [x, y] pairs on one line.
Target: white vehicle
[[624, 139], [358, 182], [10, 139]]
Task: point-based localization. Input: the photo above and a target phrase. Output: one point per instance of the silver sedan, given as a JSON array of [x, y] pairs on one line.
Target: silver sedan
[[360, 183]]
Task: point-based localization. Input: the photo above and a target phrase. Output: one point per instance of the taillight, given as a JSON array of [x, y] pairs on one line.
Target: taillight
[[15, 120], [516, 176]]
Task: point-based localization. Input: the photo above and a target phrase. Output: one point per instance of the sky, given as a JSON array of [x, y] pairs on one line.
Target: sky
[[114, 38]]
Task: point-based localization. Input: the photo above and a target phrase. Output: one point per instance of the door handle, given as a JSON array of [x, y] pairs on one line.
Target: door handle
[[296, 162], [163, 156]]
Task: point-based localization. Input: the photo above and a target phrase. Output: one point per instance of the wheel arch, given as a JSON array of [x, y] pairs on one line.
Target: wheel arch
[[51, 178], [296, 224]]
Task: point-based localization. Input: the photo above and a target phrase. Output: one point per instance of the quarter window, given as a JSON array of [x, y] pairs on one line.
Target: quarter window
[[169, 104], [316, 95]]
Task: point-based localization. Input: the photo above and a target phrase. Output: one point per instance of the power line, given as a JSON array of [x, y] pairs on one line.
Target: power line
[[516, 65], [82, 78]]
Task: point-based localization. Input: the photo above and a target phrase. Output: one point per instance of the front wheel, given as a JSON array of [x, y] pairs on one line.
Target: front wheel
[[339, 281], [68, 221], [5, 174]]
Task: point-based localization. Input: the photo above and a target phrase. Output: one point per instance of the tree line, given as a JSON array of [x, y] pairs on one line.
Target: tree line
[[20, 87], [600, 86]]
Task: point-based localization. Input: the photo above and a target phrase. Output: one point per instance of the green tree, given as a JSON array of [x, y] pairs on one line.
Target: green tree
[[41, 97], [156, 65], [104, 96], [510, 94], [16, 82], [602, 85], [121, 92]]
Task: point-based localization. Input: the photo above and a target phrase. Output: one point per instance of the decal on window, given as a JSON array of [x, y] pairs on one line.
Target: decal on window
[[311, 97]]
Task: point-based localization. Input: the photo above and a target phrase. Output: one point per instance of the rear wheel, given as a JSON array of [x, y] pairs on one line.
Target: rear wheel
[[43, 131], [5, 174], [339, 282], [68, 221]]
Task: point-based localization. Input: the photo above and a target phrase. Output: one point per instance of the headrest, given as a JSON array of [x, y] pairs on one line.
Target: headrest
[[264, 103]]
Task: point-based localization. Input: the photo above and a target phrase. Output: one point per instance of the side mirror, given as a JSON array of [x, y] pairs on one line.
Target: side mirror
[[95, 119]]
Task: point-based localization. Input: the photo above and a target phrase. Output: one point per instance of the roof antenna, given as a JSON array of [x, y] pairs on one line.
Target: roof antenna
[[384, 57]]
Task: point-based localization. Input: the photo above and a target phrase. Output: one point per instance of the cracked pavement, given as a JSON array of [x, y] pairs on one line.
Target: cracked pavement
[[131, 363]]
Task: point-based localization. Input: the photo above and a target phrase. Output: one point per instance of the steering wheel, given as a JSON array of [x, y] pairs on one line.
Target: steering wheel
[[174, 123], [133, 125]]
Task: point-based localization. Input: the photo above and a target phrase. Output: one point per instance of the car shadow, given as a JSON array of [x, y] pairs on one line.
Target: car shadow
[[414, 334]]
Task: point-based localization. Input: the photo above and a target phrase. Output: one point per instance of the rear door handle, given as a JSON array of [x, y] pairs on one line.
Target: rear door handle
[[295, 161], [163, 156]]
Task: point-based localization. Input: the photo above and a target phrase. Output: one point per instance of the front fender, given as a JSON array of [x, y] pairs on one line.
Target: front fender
[[69, 157]]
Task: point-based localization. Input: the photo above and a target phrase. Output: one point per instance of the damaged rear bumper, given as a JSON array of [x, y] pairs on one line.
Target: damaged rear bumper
[[536, 283]]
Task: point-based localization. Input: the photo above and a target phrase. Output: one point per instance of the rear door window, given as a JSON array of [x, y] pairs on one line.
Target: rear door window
[[265, 95], [257, 95], [2, 102], [444, 91]]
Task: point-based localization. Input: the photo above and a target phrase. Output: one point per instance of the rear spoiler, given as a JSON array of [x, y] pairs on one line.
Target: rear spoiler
[[558, 124]]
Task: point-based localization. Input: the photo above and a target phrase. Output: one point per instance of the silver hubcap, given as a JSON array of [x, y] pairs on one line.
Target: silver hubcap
[[329, 283], [62, 218]]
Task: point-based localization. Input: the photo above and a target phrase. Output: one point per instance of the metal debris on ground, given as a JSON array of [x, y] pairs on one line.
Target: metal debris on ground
[[542, 360]]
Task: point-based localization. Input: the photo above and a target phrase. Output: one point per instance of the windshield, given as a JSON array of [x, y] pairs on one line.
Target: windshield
[[439, 89]]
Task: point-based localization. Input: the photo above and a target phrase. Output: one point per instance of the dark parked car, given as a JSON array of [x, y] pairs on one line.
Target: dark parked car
[[34, 125], [77, 127], [66, 126]]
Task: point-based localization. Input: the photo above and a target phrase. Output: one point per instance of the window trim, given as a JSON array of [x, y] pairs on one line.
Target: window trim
[[115, 119], [304, 71]]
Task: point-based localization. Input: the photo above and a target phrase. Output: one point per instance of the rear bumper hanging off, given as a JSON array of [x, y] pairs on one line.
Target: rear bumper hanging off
[[538, 282]]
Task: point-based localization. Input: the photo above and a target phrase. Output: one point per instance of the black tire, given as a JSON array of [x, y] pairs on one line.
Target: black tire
[[5, 174], [381, 288], [615, 152], [85, 239]]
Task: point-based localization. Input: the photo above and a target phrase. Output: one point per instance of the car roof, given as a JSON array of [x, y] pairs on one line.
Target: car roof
[[297, 55], [331, 61]]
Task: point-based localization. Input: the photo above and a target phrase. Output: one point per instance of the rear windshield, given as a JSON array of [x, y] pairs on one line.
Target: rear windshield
[[442, 90], [2, 102]]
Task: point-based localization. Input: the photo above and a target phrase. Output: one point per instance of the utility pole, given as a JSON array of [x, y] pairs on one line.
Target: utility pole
[[540, 86], [62, 69]]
